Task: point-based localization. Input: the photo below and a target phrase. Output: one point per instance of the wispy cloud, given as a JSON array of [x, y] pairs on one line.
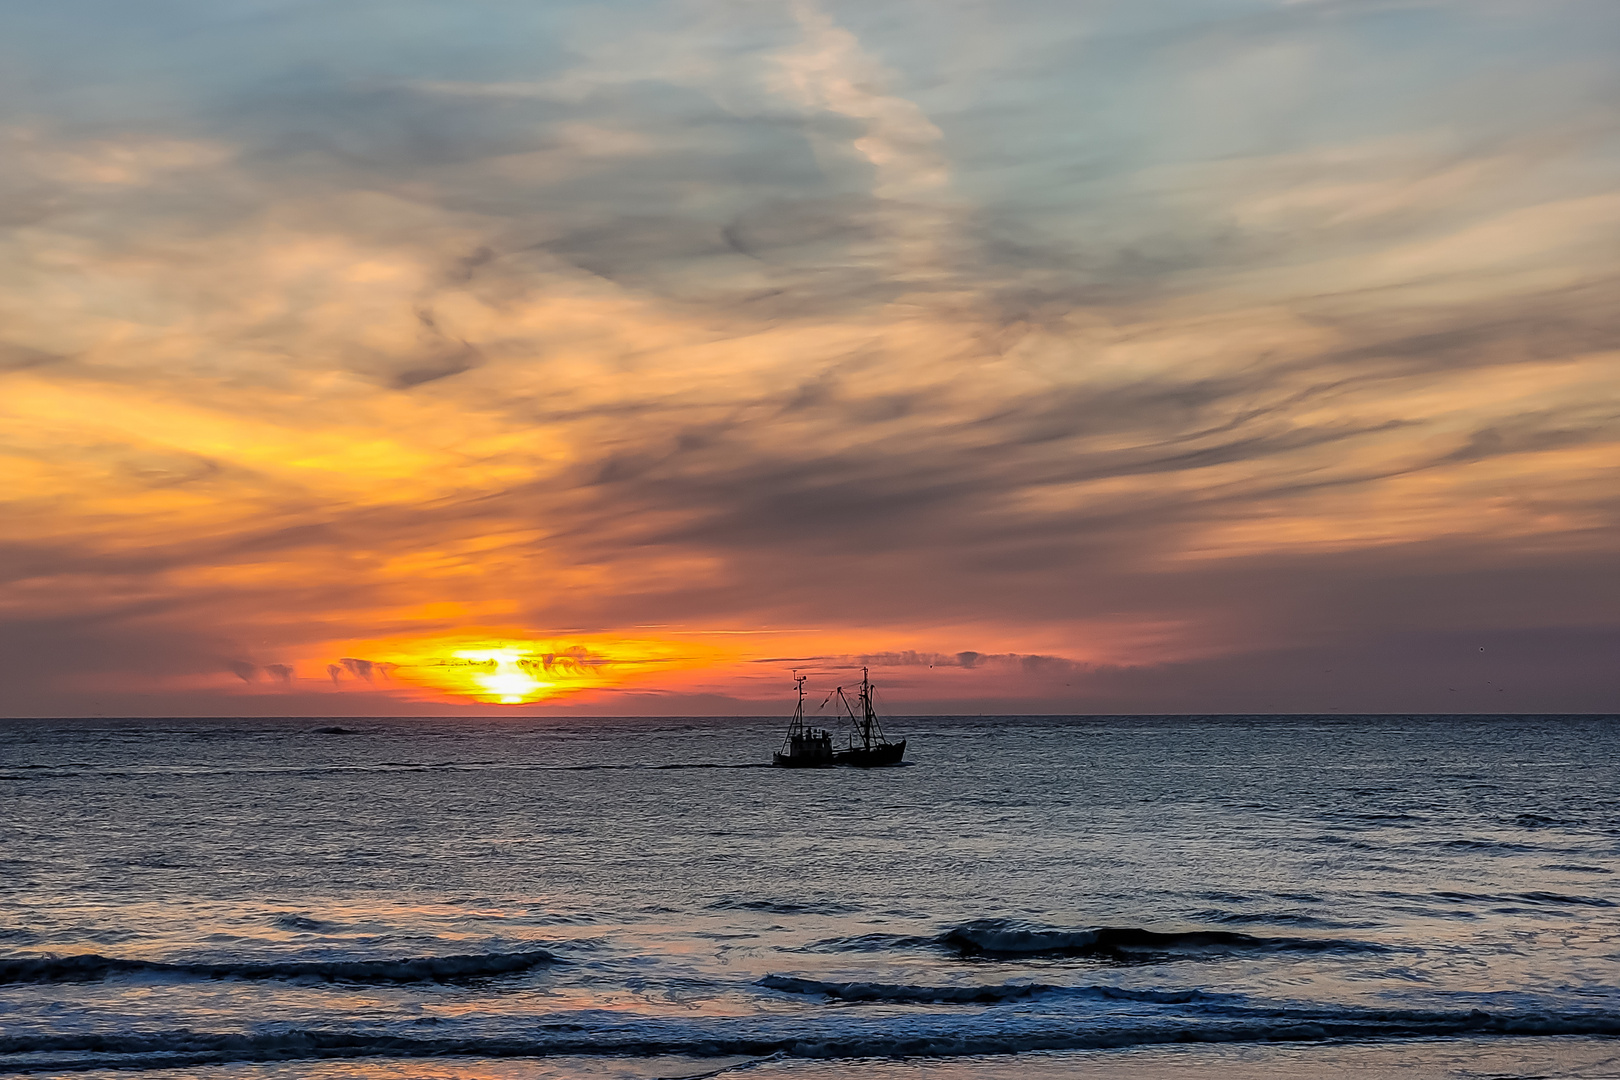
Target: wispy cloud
[[1140, 336]]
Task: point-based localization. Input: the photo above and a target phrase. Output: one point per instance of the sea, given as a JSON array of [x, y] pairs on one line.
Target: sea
[[1027, 897]]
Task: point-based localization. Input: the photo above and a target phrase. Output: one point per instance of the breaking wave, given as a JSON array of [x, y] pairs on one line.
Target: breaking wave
[[969, 995], [1007, 937], [91, 967], [167, 1050]]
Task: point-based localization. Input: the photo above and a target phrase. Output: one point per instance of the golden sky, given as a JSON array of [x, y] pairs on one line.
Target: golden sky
[[622, 358]]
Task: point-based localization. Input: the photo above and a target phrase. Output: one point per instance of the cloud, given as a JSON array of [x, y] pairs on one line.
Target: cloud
[[20, 357], [1108, 336], [1028, 663], [828, 70]]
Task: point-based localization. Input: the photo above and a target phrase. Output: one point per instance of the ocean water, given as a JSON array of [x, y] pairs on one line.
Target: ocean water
[[1027, 898]]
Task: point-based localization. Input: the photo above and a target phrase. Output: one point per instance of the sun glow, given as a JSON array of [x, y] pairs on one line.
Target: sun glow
[[507, 682], [519, 669]]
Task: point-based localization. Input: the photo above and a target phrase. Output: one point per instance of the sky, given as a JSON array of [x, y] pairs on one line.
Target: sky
[[371, 357]]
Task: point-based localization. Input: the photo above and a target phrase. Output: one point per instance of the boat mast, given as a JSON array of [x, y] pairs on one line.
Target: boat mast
[[795, 731], [868, 717], [797, 727]]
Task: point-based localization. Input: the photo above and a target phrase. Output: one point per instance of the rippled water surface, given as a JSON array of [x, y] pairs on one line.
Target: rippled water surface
[[1027, 898]]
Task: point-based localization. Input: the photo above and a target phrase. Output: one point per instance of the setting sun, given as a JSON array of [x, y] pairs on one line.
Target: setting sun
[[513, 668], [501, 673]]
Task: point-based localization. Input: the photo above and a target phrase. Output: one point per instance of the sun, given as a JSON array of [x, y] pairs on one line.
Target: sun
[[506, 681]]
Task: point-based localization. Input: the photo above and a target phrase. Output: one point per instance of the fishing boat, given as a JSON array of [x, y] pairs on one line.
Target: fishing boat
[[808, 747], [805, 747]]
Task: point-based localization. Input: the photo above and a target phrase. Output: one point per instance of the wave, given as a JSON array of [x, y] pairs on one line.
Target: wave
[[1539, 897], [168, 1050], [1543, 821], [92, 967], [782, 907], [969, 995], [1561, 898], [1007, 937], [869, 943], [1290, 918], [1470, 844]]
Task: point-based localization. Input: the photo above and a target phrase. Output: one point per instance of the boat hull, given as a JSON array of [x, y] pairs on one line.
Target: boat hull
[[871, 757], [858, 757], [801, 761]]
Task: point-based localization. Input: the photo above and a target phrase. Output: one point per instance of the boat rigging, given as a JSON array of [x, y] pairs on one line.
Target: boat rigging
[[808, 747]]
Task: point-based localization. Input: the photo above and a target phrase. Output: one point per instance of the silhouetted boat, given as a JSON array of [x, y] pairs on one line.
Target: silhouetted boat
[[808, 747], [805, 747]]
